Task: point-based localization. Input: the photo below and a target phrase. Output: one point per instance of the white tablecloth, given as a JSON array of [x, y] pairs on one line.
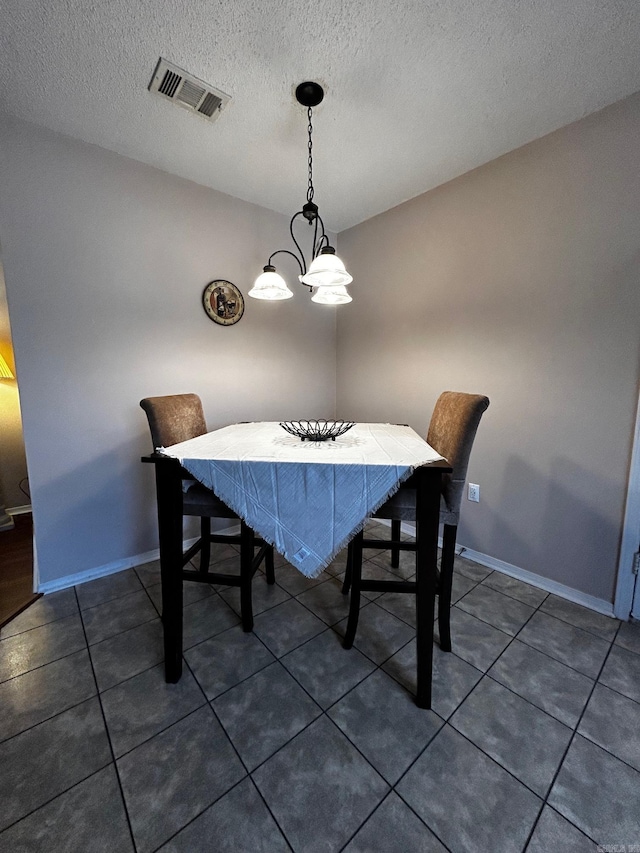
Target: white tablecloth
[[307, 499]]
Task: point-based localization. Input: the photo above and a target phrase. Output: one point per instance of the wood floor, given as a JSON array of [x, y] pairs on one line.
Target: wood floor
[[16, 568]]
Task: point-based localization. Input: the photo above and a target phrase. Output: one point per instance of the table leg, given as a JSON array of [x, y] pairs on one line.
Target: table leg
[[169, 492], [427, 522], [346, 585], [355, 556], [396, 529], [246, 575]]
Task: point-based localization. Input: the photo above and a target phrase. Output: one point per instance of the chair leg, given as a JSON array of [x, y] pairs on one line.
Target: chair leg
[[395, 537], [346, 584], [205, 543], [354, 603], [449, 534], [246, 575], [268, 566], [169, 489]]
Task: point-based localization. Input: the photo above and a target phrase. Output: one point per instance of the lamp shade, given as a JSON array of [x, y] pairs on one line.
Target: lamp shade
[[5, 370], [270, 286], [327, 270], [327, 295]]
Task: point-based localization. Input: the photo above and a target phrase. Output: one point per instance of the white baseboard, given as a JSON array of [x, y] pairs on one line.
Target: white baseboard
[[111, 568], [559, 589], [97, 572], [568, 592], [19, 510]]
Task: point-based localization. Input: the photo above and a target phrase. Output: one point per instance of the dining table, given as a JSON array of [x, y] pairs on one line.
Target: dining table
[[307, 499]]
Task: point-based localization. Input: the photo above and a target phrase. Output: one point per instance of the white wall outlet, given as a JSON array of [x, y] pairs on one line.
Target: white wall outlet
[[474, 492]]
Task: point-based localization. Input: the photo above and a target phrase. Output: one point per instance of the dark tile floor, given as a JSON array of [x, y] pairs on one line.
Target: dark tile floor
[[280, 740]]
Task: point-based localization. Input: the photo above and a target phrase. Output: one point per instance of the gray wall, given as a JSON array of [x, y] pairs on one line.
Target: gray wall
[[520, 280], [105, 262]]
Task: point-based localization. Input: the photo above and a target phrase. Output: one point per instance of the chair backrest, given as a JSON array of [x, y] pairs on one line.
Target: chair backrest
[[174, 418], [452, 429]]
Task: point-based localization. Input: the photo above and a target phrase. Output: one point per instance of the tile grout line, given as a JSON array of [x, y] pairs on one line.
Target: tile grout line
[[485, 674], [117, 634], [391, 791], [268, 808], [540, 607], [549, 657], [483, 582], [50, 717], [29, 728], [568, 747], [517, 636], [344, 734], [40, 666], [275, 660], [614, 690], [53, 799], [35, 627], [547, 805], [108, 735], [323, 713], [164, 728], [411, 809], [379, 666], [262, 669], [247, 775]]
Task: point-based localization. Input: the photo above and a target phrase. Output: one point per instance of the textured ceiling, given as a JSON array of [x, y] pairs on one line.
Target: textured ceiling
[[417, 91]]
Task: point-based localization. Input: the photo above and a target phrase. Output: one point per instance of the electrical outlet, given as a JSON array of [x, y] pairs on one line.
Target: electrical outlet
[[474, 492]]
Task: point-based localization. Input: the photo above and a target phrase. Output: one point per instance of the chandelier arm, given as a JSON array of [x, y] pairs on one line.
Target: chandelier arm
[[314, 253], [317, 246], [303, 263], [287, 252], [323, 242]]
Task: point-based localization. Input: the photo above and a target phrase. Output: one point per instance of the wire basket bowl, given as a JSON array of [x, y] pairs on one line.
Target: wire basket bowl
[[317, 430]]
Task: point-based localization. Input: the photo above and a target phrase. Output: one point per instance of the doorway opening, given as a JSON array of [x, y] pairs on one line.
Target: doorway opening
[[16, 523], [627, 597]]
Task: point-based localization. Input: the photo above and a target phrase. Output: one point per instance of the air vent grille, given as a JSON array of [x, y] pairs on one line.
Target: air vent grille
[[210, 104], [190, 94], [186, 91], [170, 83]]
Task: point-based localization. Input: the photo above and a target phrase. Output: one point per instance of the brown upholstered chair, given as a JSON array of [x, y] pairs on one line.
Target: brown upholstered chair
[[177, 418], [452, 430]]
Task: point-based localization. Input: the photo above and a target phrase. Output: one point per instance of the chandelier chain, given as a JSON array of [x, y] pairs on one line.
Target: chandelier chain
[[310, 161]]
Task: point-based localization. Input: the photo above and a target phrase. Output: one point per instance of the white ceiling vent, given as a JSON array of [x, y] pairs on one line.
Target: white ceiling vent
[[187, 91]]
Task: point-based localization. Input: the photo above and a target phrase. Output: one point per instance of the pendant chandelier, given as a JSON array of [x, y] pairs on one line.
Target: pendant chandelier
[[326, 275]]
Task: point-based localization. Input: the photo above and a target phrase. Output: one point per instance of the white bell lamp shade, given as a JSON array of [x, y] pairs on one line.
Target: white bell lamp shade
[[270, 286], [327, 270], [337, 295]]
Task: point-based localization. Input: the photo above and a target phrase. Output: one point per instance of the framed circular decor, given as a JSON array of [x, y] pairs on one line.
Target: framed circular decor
[[223, 302]]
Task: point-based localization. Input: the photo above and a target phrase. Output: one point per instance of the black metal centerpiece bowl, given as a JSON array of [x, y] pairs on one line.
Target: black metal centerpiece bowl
[[319, 430]]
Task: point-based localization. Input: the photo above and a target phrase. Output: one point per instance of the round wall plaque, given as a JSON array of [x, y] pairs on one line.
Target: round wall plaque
[[223, 302]]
